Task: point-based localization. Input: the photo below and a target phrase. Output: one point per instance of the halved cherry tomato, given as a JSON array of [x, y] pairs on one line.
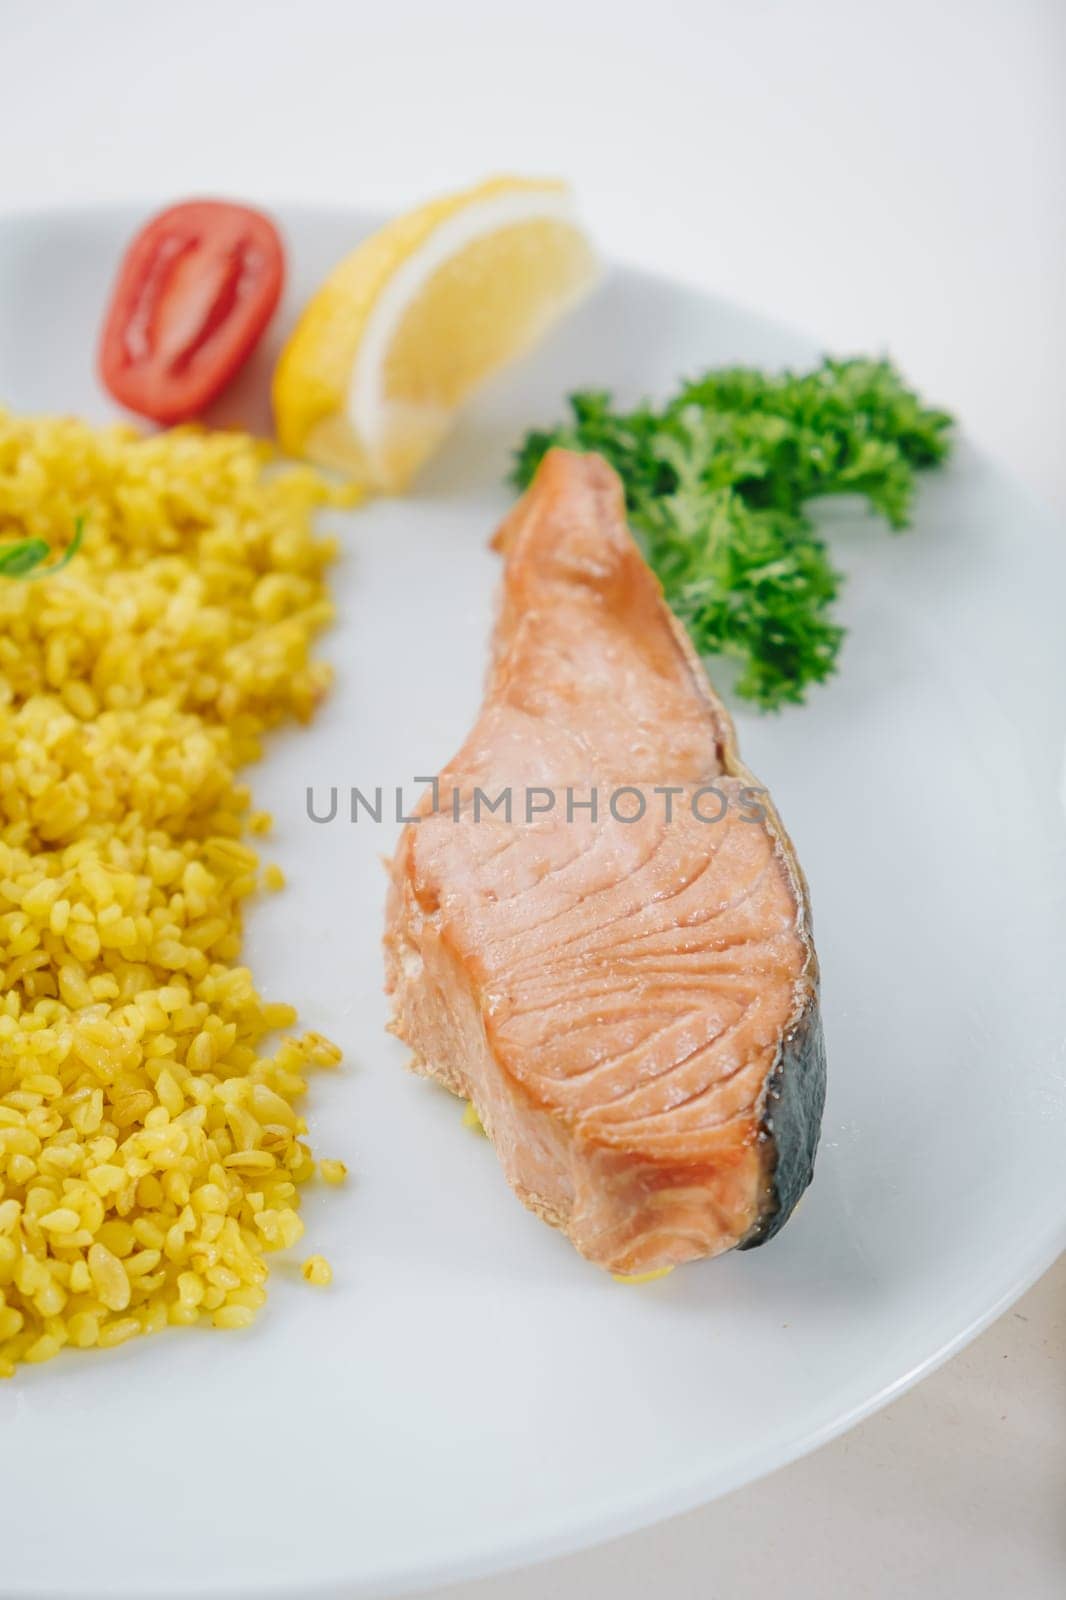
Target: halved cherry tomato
[[195, 291]]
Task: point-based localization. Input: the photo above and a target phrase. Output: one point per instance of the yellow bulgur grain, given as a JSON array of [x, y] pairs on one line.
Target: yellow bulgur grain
[[150, 1151], [233, 1316], [318, 1051], [471, 1118], [317, 1270], [42, 1348]]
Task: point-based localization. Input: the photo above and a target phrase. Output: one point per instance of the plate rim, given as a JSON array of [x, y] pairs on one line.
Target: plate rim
[[686, 1490]]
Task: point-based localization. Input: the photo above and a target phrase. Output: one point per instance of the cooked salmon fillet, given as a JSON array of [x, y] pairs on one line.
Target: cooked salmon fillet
[[629, 1000]]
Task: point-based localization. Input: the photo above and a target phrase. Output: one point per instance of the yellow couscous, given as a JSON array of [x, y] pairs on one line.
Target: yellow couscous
[[150, 1149]]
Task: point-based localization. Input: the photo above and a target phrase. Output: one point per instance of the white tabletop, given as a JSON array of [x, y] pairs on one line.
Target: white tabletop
[[883, 176]]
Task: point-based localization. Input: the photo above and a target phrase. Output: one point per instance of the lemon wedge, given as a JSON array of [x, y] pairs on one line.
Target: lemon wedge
[[405, 328]]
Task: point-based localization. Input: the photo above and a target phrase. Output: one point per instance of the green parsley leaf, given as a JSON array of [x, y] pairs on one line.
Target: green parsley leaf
[[717, 481], [27, 558]]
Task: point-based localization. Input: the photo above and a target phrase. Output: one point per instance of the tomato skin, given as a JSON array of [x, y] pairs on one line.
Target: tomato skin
[[194, 293]]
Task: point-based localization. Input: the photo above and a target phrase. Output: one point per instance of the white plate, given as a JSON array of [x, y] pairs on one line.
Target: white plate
[[470, 1394]]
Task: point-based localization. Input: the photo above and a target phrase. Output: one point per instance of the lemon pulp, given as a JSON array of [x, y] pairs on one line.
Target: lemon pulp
[[418, 317]]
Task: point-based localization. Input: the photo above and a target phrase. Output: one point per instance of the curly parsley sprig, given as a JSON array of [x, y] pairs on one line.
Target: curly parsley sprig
[[717, 481]]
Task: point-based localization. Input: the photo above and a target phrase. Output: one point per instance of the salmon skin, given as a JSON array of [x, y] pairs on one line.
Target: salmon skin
[[630, 1005]]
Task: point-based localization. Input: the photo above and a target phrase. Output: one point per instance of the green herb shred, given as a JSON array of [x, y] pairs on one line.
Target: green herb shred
[[28, 558], [717, 483]]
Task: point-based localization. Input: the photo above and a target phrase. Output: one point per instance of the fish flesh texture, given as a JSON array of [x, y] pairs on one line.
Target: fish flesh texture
[[629, 998]]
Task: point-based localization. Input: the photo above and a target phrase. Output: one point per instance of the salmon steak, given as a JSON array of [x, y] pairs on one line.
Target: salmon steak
[[597, 930]]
